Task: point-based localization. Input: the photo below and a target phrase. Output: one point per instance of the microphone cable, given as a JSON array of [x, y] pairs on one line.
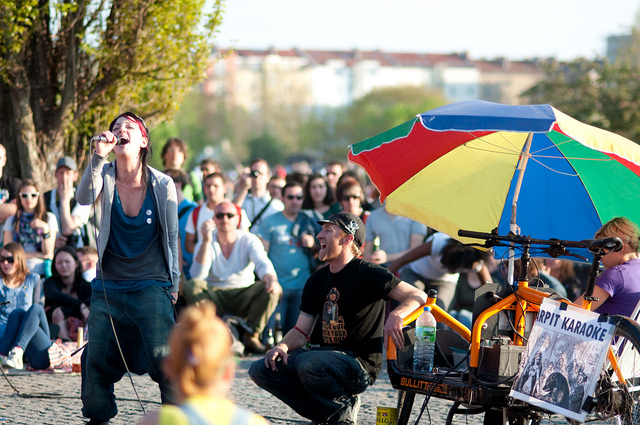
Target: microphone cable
[[104, 291]]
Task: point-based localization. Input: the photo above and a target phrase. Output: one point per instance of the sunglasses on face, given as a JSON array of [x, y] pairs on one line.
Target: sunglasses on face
[[292, 197], [27, 195], [220, 216], [9, 260], [347, 197]]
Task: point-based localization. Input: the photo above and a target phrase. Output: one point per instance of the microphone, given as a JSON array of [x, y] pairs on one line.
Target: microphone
[[103, 139]]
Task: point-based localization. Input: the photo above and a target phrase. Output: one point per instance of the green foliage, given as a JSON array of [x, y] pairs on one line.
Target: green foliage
[[598, 93], [383, 109], [69, 67], [267, 147]]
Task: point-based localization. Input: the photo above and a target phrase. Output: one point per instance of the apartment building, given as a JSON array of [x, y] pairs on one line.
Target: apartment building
[[259, 79]]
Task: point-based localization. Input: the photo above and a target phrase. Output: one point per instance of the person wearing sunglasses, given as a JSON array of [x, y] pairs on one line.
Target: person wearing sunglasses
[[138, 273], [290, 240], [224, 270], [23, 325], [350, 196], [32, 227]]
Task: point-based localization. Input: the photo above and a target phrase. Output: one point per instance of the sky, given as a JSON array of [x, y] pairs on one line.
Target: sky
[[513, 29]]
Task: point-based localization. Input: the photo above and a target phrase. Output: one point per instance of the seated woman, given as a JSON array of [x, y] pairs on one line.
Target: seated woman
[[23, 325], [437, 264], [201, 367], [67, 294], [32, 227], [618, 287]]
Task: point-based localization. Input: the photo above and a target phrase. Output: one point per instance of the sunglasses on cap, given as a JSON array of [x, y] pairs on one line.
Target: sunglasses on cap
[[27, 195], [9, 260], [222, 215]]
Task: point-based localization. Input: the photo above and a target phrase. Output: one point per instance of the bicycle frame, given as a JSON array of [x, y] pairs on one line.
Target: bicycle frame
[[523, 300]]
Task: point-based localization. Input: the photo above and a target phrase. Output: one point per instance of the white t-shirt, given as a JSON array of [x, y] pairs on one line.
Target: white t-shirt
[[430, 267], [207, 214]]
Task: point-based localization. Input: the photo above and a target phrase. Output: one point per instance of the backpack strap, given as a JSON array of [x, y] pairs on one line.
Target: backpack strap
[[257, 217], [194, 217], [187, 208]]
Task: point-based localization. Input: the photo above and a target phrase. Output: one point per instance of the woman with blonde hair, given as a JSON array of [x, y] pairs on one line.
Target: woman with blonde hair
[[618, 287], [201, 366]]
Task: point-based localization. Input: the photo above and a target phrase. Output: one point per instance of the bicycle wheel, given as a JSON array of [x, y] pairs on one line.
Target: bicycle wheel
[[405, 404], [618, 402]]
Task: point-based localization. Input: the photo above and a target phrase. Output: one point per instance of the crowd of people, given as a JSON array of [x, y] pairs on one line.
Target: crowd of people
[[310, 252]]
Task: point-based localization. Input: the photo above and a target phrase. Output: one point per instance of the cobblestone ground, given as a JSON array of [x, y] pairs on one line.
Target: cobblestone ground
[[55, 399]]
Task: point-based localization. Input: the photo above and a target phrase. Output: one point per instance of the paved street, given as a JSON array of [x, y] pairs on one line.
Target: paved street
[[55, 399]]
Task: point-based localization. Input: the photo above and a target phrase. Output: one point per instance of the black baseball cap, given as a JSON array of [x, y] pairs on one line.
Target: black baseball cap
[[350, 224]]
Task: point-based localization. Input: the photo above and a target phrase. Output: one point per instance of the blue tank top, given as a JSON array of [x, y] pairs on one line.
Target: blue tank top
[[134, 258]]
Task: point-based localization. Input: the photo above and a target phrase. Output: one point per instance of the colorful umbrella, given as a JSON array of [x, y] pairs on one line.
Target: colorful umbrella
[[479, 165]]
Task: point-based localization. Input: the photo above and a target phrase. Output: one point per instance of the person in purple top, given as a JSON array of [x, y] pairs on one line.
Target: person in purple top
[[618, 287]]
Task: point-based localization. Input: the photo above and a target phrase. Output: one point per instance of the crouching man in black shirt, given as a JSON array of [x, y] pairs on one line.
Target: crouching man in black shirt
[[348, 297]]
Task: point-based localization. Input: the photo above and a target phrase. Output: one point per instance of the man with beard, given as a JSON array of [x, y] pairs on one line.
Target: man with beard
[[348, 296]]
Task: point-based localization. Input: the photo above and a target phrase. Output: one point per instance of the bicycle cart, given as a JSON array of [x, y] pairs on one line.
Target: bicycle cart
[[475, 368]]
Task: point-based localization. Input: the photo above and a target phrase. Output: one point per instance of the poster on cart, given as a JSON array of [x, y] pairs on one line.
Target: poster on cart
[[566, 351]]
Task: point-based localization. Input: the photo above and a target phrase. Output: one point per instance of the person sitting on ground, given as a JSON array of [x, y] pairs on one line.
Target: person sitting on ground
[[72, 217], [618, 287], [67, 295], [437, 264], [88, 257], [345, 302], [32, 227], [227, 258], [200, 364], [23, 324]]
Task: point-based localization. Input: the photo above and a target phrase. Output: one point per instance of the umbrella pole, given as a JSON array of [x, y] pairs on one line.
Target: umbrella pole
[[513, 226]]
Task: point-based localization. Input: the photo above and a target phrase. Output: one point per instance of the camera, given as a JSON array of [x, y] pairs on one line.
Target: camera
[[72, 240]]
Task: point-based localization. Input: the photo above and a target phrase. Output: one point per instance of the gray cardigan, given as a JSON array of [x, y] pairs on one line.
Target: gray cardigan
[[100, 176]]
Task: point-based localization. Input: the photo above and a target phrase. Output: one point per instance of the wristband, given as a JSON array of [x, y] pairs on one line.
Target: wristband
[[46, 235], [302, 332]]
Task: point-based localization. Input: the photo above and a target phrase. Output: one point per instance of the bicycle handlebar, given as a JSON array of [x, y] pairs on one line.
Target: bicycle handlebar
[[492, 238], [593, 245]]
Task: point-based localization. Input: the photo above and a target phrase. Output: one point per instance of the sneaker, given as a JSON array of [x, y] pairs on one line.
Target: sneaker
[[14, 358], [355, 408]]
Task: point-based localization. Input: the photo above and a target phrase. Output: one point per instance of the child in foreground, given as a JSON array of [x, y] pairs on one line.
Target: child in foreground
[[201, 367]]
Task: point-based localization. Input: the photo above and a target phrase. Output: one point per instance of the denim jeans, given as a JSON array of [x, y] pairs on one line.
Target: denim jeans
[[143, 320], [28, 330], [319, 384]]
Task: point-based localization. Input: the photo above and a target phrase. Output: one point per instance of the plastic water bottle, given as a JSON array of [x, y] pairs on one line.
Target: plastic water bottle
[[425, 345]]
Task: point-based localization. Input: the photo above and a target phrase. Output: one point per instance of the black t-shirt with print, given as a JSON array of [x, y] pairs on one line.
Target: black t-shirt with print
[[350, 308]]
